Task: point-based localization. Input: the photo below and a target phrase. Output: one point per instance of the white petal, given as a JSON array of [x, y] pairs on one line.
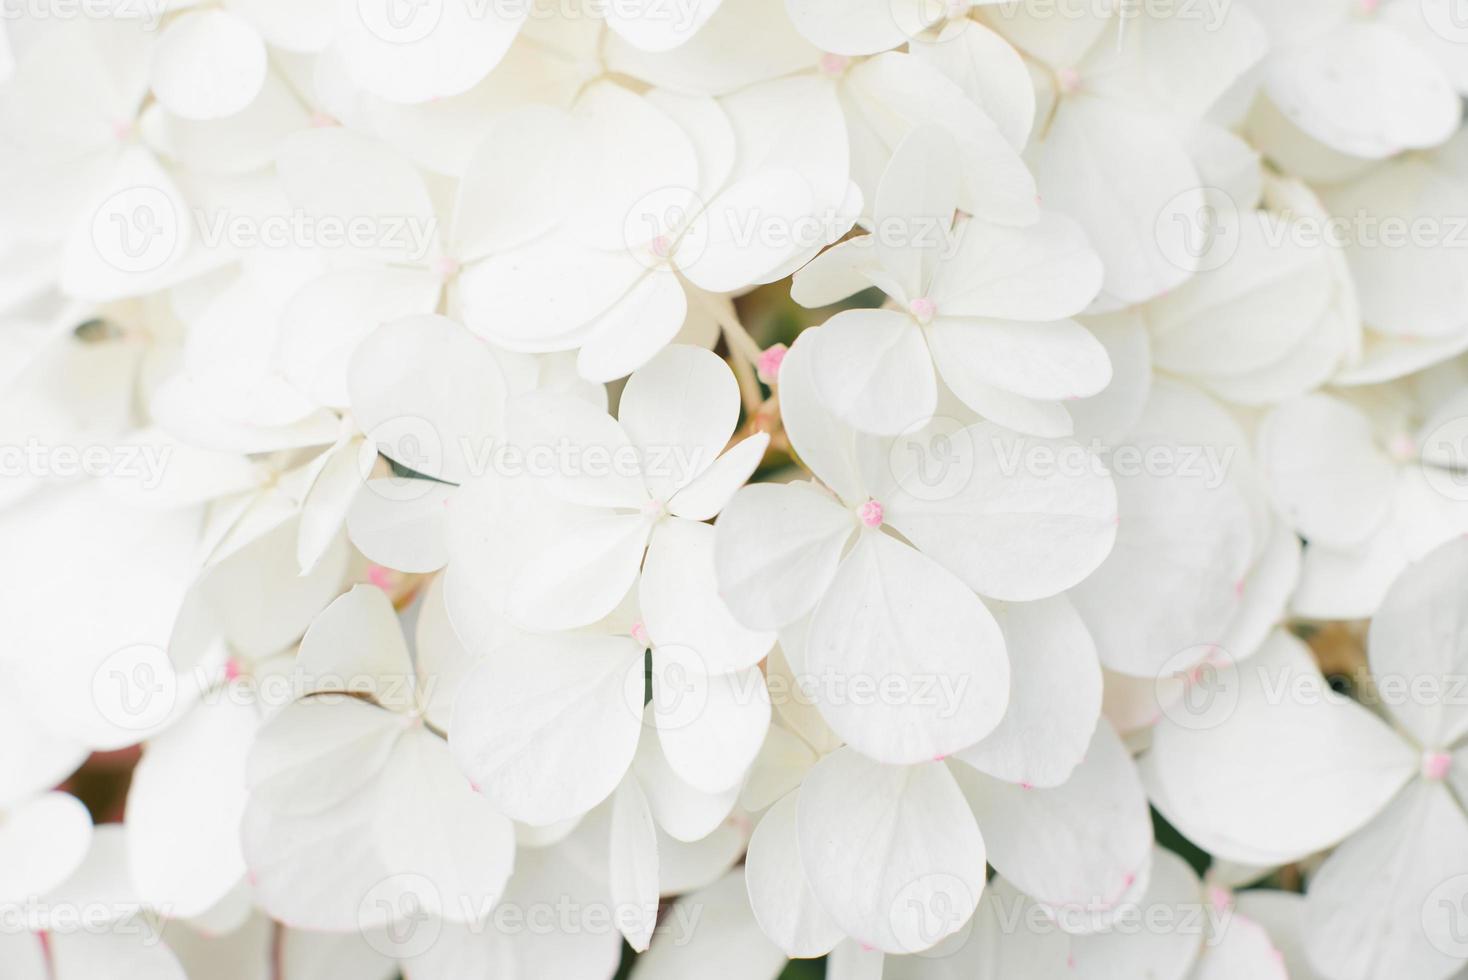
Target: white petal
[[627, 335], [316, 753], [437, 50], [679, 410], [702, 499], [712, 925], [686, 814], [325, 321], [408, 535], [430, 824], [1115, 952], [580, 575], [1096, 142], [874, 370], [1356, 929], [776, 551], [1008, 526], [634, 865], [1053, 361], [546, 729], [1419, 632], [891, 852], [1054, 698], [915, 662], [681, 604], [782, 900], [42, 842], [356, 642], [1324, 469], [1277, 765], [184, 806], [710, 726], [1043, 271], [208, 65], [1079, 847], [918, 195], [1364, 90]]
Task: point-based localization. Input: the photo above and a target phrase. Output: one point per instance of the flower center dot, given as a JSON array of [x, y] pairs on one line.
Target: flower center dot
[[871, 514], [834, 64], [1435, 766], [923, 309]]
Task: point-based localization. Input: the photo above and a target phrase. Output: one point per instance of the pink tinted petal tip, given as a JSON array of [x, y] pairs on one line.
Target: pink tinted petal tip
[[769, 363], [923, 309], [870, 514], [1435, 766]]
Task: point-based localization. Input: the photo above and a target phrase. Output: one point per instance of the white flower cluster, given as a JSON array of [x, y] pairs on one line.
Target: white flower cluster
[[423, 558]]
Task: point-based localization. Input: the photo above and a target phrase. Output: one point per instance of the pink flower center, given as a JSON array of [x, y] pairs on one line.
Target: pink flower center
[[123, 131], [320, 120], [769, 363], [870, 514], [380, 576], [445, 267], [662, 246], [639, 633], [1435, 766], [923, 309], [1402, 447], [232, 669], [833, 64], [1369, 7], [1069, 80]]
